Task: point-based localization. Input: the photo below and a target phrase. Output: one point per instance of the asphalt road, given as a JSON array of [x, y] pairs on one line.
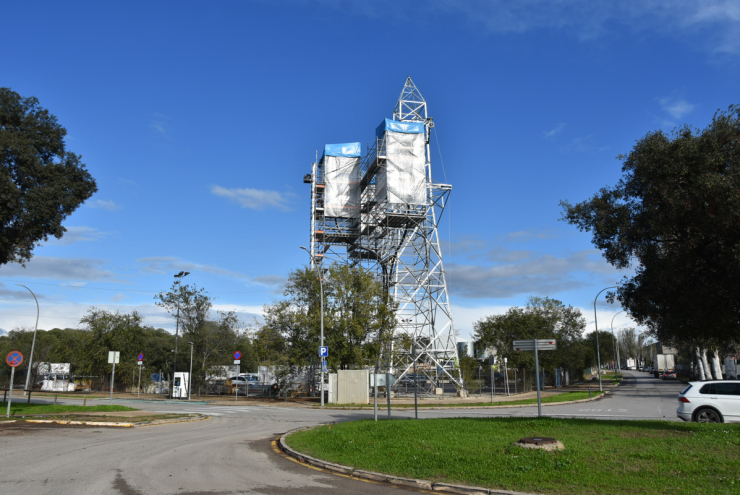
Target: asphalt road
[[232, 452]]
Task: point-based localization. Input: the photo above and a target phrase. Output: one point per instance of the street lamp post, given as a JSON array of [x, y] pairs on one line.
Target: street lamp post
[[616, 344], [177, 328], [190, 375], [33, 343], [596, 324], [321, 288]]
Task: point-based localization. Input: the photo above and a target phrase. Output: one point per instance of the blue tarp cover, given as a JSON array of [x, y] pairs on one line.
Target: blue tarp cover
[[396, 126], [343, 149]]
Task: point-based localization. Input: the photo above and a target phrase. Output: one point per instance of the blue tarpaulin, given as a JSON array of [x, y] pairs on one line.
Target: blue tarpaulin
[[396, 126], [350, 150]]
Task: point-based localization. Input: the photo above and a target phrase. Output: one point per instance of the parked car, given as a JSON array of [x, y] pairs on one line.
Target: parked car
[[670, 375], [716, 401]]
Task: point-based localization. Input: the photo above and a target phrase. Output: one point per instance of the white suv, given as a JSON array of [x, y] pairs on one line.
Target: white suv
[[716, 401]]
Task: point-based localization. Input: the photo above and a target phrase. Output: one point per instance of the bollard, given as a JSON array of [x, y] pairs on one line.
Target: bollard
[[29, 397], [84, 402], [589, 391], [55, 399]]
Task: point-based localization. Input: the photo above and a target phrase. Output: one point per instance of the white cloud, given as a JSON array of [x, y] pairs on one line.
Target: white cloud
[[255, 199], [517, 273], [104, 205], [78, 234], [59, 268], [554, 131], [165, 264], [676, 107]]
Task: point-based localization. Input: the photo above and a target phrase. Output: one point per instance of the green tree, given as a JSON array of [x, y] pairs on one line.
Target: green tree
[[542, 318], [357, 317], [675, 217], [41, 183]]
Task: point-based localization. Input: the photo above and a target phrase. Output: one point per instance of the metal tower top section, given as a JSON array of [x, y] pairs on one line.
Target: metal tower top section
[[411, 105]]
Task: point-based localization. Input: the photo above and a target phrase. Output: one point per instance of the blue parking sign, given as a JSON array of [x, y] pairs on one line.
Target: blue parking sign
[[323, 351]]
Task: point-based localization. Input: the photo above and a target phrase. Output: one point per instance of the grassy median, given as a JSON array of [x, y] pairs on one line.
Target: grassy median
[[604, 457], [564, 397], [21, 408]]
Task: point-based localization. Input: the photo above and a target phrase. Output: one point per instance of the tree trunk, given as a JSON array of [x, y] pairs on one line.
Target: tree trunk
[[716, 367], [705, 363], [699, 365]]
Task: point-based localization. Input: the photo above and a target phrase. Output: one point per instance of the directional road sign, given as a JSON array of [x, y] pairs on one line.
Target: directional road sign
[[14, 359], [542, 345], [323, 351], [140, 357]]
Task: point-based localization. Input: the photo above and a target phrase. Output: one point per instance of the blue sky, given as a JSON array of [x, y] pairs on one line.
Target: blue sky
[[199, 120]]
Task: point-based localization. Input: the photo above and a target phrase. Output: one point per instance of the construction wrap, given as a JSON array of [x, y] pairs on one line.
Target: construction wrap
[[342, 149], [403, 179], [342, 186]]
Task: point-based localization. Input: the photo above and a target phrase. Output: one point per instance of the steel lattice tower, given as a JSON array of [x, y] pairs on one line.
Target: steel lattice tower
[[400, 242]]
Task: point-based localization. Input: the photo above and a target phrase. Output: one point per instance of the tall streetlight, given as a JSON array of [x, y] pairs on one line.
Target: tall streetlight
[[616, 344], [190, 375], [596, 324], [33, 343], [321, 286], [177, 329]]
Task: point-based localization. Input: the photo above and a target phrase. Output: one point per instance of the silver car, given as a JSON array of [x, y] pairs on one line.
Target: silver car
[[715, 401]]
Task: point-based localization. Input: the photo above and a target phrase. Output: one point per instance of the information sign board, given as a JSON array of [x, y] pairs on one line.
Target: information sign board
[[114, 357], [542, 345]]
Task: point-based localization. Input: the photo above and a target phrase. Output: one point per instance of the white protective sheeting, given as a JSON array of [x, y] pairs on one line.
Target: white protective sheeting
[[403, 179], [342, 186]]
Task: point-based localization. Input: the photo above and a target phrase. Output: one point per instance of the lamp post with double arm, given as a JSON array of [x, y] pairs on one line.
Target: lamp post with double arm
[[179, 277], [319, 271], [596, 325], [33, 342]]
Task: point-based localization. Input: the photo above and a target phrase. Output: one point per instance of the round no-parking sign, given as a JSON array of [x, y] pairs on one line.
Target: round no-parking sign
[[14, 359], [237, 355]]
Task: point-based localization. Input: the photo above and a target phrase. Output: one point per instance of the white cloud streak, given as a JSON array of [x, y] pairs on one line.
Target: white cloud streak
[[675, 107], [554, 131], [254, 199], [103, 204]]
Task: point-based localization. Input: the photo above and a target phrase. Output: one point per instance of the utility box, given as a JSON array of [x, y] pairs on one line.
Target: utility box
[[352, 387], [180, 388], [332, 388]]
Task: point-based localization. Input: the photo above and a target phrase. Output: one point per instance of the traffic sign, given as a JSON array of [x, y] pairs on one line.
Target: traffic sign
[[14, 359], [114, 357], [140, 357], [323, 351], [324, 366], [542, 345], [237, 356]]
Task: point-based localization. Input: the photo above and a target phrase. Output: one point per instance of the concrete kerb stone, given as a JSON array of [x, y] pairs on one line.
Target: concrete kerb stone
[[590, 399], [119, 424], [380, 477]]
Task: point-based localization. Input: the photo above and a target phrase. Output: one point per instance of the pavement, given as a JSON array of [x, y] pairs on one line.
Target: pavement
[[232, 453]]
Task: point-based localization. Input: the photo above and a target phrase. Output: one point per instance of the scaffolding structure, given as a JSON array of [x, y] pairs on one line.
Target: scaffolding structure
[[393, 232]]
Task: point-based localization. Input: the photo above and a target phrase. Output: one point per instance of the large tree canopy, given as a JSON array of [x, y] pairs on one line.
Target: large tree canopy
[[675, 217], [40, 182]]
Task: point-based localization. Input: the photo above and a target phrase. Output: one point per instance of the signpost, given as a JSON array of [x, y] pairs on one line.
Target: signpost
[[536, 345], [323, 354], [237, 362], [14, 359], [139, 358], [113, 358]]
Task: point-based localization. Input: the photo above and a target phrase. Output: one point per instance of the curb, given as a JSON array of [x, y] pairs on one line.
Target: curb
[[386, 478], [118, 425], [434, 408]]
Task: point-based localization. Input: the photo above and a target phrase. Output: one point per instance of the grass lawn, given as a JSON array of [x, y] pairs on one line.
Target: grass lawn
[[21, 408], [601, 457], [564, 397]]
